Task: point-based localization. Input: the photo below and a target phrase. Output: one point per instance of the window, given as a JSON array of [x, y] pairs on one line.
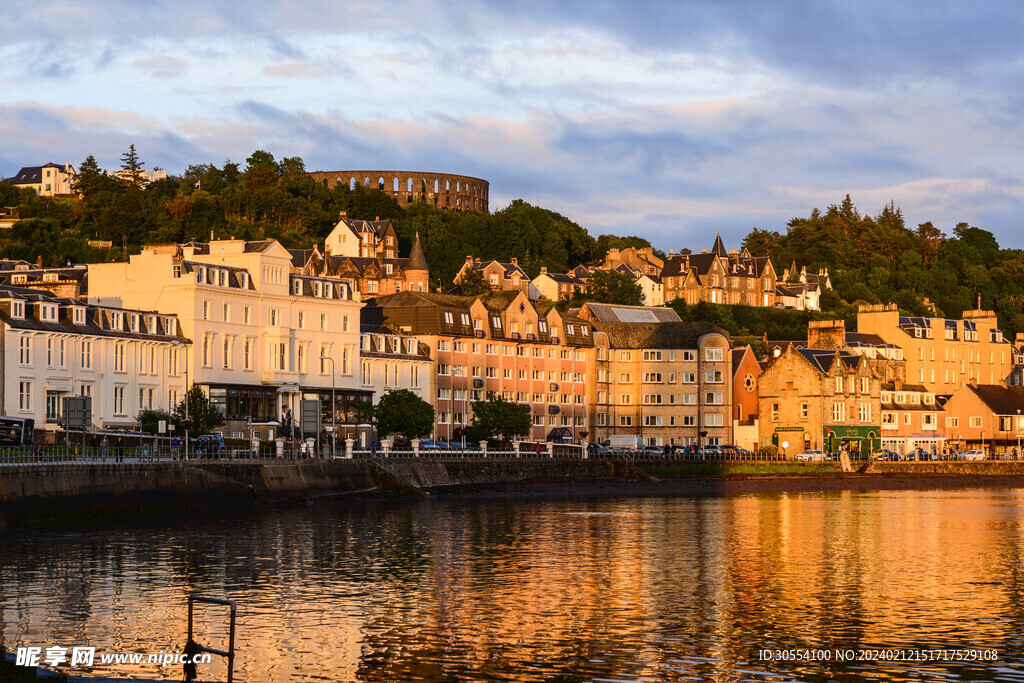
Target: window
[[839, 412], [86, 355], [865, 385], [275, 317], [25, 396], [839, 385], [953, 422], [652, 377], [713, 398], [302, 320], [713, 355], [26, 351], [625, 378], [206, 310], [689, 399], [689, 356], [713, 420], [689, 420], [119, 401], [206, 351], [864, 411], [625, 421], [625, 356], [713, 376], [18, 309], [803, 410], [119, 357], [227, 352], [247, 347], [625, 399], [652, 399], [247, 315], [689, 377]]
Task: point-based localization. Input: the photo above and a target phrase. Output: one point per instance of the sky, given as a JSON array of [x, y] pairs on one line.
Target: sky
[[670, 120]]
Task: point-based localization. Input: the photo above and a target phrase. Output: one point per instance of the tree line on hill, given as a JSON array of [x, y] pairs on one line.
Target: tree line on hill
[[871, 259]]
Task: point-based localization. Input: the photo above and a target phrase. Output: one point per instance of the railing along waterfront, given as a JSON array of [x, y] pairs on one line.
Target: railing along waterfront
[[270, 452]]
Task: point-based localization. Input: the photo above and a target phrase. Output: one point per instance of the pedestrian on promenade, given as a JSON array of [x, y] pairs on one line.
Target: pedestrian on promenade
[[119, 450], [104, 446]]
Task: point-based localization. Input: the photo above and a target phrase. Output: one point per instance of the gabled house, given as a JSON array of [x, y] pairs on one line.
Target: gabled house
[[986, 417], [497, 275], [556, 286], [720, 276], [47, 180], [746, 371]]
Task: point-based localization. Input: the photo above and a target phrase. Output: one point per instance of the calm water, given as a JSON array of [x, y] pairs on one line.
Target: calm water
[[541, 590]]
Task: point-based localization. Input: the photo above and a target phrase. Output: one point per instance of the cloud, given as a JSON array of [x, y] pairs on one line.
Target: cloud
[[162, 66], [292, 70]]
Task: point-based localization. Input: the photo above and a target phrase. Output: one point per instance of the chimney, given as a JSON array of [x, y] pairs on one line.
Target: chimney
[[687, 262], [343, 215], [376, 218], [670, 253], [543, 270], [803, 271], [703, 251], [469, 258], [515, 261], [785, 275]]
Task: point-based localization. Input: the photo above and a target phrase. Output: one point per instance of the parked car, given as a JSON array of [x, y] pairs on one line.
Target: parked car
[[974, 455], [887, 455], [810, 456], [654, 450], [712, 451], [427, 444]]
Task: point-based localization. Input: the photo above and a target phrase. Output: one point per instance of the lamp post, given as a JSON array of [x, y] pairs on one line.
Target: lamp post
[[1017, 454], [334, 408]]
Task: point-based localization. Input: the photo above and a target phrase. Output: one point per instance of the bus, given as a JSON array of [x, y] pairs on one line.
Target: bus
[[16, 431]]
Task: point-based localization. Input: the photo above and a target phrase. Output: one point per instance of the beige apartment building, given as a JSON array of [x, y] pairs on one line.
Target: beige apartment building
[[391, 361], [941, 354], [669, 383], [53, 348], [260, 333]]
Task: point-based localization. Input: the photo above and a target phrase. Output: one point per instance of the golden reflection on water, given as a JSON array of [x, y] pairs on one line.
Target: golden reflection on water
[[539, 589]]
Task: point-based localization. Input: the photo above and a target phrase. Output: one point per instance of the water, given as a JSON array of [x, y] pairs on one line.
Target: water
[[645, 589]]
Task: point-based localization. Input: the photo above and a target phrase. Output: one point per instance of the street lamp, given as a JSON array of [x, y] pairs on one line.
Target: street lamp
[[334, 409], [1017, 454]]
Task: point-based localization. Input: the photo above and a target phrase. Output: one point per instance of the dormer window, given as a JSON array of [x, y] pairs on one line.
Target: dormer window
[[18, 309], [201, 275], [296, 287], [223, 278], [49, 277], [48, 312], [171, 326], [151, 324], [330, 290], [133, 323], [19, 279], [570, 329], [496, 321], [245, 280], [318, 289], [116, 320], [79, 315], [176, 271], [542, 326], [21, 266], [388, 268]]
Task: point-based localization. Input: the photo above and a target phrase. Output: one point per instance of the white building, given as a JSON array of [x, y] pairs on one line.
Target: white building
[[260, 333], [126, 360], [390, 361]]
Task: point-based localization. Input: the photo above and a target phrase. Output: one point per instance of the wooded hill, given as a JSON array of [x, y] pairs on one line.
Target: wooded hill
[[871, 258]]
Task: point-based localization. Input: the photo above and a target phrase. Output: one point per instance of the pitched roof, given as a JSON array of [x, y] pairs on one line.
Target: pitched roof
[[666, 335], [31, 175], [999, 399], [422, 300], [631, 314]]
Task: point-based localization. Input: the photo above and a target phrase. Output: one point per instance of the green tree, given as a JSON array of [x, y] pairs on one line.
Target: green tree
[[403, 412], [203, 417], [473, 283], [131, 170], [611, 287], [149, 419], [90, 178], [501, 417]]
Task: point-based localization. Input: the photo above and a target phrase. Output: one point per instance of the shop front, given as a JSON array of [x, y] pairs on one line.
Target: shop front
[[860, 441]]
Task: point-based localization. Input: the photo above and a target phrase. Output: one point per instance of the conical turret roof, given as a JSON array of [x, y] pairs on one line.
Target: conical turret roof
[[417, 259]]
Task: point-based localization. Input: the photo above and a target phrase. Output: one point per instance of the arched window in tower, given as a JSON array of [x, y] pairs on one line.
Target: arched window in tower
[[352, 183], [395, 189], [380, 183]]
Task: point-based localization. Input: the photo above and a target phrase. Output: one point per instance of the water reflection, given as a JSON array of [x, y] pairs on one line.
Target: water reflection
[[623, 589]]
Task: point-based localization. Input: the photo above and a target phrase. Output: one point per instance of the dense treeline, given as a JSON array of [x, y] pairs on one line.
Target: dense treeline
[[268, 198], [870, 258], [878, 259]]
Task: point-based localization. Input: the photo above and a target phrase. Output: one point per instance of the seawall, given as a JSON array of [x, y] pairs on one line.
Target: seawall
[[30, 488]]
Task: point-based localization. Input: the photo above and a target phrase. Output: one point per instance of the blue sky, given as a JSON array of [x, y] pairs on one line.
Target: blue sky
[[672, 120]]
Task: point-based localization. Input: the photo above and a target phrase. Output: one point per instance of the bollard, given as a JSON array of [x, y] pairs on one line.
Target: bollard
[[349, 444], [515, 449], [551, 449], [483, 449]]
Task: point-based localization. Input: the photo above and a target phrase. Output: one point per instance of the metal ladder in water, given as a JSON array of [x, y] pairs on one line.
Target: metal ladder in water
[[195, 648]]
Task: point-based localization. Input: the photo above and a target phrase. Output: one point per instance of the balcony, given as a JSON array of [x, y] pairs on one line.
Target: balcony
[[278, 377]]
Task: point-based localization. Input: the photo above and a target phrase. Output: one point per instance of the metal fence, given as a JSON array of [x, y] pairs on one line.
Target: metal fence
[[289, 451]]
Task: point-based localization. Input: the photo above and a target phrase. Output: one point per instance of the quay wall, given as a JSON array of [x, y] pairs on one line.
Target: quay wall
[[201, 483]]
